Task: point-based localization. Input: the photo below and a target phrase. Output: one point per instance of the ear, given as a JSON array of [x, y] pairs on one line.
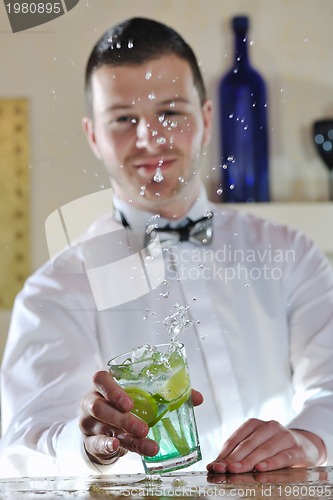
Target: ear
[[88, 128], [207, 113]]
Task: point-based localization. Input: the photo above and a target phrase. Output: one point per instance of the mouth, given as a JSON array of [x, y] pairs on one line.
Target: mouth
[[147, 166]]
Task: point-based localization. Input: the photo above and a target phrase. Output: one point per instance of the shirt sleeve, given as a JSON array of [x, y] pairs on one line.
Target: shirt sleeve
[[48, 362], [310, 302]]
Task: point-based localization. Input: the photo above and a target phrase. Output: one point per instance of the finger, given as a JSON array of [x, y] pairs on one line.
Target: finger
[[197, 397], [220, 464], [103, 449], [96, 406], [285, 458], [142, 446], [239, 436], [90, 426], [269, 440], [111, 391]]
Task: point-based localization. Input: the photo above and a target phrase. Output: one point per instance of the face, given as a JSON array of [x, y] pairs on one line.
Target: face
[[149, 129]]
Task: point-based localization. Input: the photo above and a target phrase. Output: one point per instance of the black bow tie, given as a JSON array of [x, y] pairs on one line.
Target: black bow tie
[[199, 232]]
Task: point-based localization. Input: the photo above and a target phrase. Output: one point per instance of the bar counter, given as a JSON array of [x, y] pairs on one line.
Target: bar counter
[[298, 483]]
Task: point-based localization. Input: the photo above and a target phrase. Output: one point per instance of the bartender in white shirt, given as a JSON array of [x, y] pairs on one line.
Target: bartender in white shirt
[[260, 296]]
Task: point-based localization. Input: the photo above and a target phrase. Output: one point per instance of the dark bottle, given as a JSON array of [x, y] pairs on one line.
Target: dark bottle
[[244, 134]]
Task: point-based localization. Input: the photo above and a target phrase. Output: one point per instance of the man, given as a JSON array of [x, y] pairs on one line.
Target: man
[[260, 296]]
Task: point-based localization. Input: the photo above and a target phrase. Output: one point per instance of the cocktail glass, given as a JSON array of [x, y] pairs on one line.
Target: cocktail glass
[[157, 379]]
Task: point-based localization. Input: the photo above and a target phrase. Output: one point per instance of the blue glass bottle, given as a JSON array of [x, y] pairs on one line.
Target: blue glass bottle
[[243, 124]]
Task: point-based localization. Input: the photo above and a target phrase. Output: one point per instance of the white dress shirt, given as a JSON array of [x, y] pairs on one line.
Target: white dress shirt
[[260, 298]]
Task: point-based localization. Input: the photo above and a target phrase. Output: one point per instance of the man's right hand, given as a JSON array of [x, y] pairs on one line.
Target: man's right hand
[[109, 429]]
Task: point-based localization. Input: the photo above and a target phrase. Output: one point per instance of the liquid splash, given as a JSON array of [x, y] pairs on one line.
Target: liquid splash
[[177, 322], [158, 177]]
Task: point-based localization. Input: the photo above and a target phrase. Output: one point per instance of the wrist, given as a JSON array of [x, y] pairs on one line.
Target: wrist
[[313, 445]]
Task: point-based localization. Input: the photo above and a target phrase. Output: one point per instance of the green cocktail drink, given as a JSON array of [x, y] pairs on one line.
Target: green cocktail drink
[[157, 379]]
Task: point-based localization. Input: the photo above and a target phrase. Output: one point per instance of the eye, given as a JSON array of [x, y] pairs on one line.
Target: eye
[[123, 122], [169, 118], [126, 120], [165, 115]]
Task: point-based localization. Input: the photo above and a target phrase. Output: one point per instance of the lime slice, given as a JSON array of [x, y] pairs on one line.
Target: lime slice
[[178, 440], [176, 385], [145, 405], [174, 405]]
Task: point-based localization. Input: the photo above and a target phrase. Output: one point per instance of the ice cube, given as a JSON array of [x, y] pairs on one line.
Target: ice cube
[[142, 353]]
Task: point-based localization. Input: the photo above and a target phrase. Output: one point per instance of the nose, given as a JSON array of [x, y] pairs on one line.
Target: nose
[[149, 134]]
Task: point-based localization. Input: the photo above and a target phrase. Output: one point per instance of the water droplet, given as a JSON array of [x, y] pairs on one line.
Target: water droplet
[[201, 266], [142, 190], [152, 96], [130, 44], [158, 177], [208, 214], [165, 295], [219, 191], [232, 186], [194, 298], [151, 228], [181, 180], [161, 140], [198, 321], [231, 115]]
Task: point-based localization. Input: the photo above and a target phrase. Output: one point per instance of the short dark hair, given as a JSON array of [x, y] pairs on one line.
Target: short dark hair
[[136, 41]]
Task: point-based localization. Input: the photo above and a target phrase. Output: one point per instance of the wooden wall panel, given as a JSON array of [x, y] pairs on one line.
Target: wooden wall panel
[[14, 199]]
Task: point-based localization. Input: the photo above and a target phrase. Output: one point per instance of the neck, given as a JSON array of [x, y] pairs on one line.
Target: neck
[[172, 208], [241, 50]]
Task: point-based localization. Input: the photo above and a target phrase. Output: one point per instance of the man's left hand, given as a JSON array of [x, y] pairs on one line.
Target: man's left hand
[[265, 446]]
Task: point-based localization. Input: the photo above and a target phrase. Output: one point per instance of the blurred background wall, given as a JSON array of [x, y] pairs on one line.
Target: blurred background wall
[[291, 44]]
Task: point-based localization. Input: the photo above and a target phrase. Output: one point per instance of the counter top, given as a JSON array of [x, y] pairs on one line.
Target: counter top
[[298, 483]]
